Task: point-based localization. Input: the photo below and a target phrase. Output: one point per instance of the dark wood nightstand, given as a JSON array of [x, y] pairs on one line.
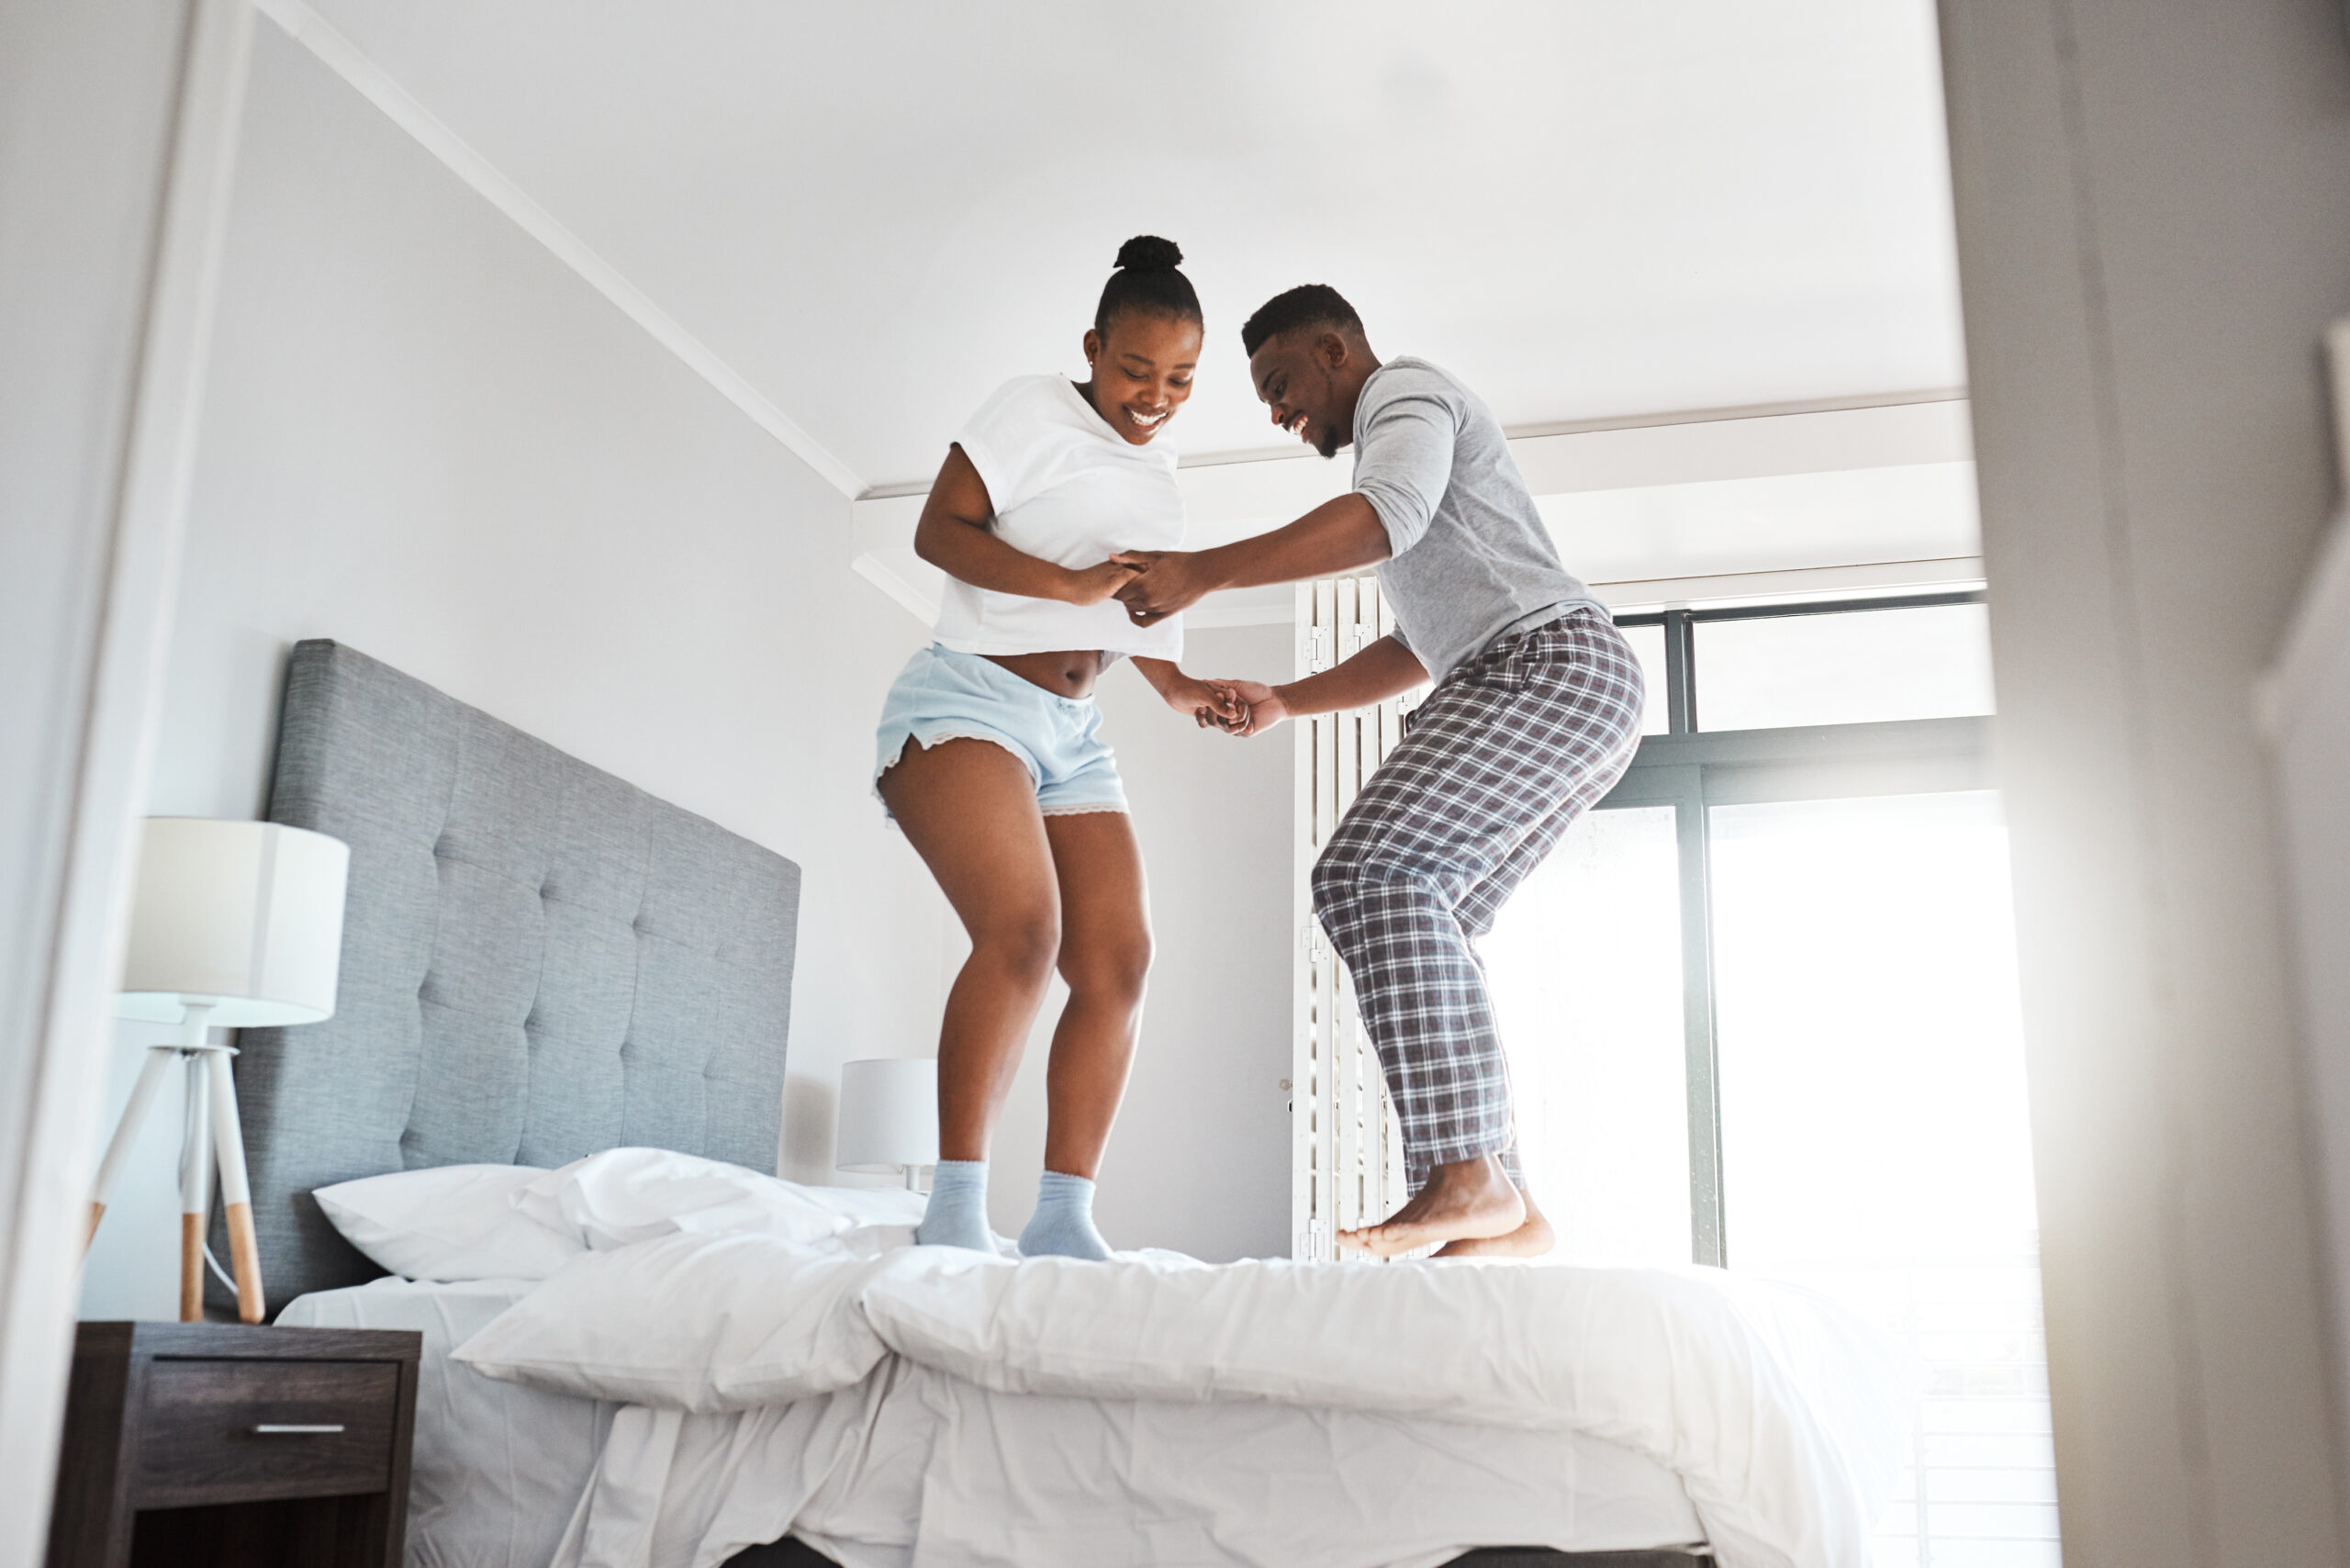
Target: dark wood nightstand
[[203, 1445]]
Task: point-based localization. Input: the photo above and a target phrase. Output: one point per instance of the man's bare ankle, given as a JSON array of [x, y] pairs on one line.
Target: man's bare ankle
[[1481, 1174]]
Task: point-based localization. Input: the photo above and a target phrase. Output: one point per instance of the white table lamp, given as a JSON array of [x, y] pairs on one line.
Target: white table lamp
[[236, 926], [888, 1119]]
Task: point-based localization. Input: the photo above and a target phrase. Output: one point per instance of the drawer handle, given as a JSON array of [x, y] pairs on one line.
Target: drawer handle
[[273, 1429]]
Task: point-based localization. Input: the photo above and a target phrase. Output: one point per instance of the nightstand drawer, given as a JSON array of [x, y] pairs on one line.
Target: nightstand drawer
[[227, 1432]]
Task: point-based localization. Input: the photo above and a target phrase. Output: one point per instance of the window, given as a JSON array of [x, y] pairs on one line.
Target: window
[[1648, 642], [1812, 830], [1586, 969], [1874, 1145], [1767, 672]]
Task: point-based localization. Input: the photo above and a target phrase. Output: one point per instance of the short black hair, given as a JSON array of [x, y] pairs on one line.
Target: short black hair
[[1147, 280], [1308, 304]]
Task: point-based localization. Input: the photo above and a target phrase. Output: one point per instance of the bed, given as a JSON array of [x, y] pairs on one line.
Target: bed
[[541, 963]]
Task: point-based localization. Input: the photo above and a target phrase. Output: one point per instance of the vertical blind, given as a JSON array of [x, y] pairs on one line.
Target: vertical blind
[[1346, 1149]]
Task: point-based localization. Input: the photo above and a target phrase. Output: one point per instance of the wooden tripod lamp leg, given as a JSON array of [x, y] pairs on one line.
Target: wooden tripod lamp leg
[[196, 1187], [126, 1134], [236, 1195]]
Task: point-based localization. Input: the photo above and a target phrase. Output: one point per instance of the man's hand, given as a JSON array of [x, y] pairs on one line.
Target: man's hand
[[1164, 582], [1093, 585], [1260, 706]]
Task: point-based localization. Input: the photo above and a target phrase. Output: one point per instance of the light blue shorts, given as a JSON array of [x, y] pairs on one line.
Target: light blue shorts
[[942, 695]]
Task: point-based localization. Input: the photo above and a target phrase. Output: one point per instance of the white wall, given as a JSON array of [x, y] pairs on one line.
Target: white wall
[[1200, 1160], [427, 438], [2154, 221]]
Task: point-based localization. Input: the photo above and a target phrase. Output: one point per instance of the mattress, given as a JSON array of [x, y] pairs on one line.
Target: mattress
[[917, 1469]]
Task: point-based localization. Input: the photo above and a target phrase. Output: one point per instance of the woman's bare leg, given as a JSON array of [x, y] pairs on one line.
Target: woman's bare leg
[[1106, 957], [969, 810]]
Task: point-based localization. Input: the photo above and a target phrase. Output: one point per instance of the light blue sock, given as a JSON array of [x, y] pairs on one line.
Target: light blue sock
[[957, 1215], [1063, 1223]]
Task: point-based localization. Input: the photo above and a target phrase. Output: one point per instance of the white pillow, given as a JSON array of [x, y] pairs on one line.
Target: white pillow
[[447, 1222], [625, 1196], [699, 1323]]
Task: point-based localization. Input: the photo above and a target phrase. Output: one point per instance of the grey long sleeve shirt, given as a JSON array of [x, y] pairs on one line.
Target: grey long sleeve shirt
[[1472, 560]]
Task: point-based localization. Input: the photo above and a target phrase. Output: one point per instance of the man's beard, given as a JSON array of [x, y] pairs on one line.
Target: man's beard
[[1328, 443]]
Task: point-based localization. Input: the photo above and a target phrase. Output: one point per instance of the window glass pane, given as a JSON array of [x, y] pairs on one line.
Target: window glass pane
[[1648, 642], [1874, 1138], [1584, 966], [1855, 668]]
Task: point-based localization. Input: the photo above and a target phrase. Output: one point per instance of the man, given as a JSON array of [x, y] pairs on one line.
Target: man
[[1534, 717]]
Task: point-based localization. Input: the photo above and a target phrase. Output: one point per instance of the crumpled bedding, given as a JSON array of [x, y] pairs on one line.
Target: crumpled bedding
[[1781, 1415]]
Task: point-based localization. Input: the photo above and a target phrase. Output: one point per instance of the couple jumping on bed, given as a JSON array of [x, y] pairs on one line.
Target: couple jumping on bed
[[1058, 525]]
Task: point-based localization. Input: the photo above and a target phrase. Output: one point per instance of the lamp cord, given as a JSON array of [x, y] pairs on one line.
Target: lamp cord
[[219, 1273]]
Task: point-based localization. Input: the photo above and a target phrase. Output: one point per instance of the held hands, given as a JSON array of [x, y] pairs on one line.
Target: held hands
[[1259, 706], [1163, 582], [1210, 703], [1241, 708], [1095, 584]]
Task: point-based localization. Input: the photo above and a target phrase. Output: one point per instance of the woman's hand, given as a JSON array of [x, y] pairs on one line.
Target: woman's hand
[[1260, 706], [1203, 700], [1165, 583], [1209, 703], [1093, 585]]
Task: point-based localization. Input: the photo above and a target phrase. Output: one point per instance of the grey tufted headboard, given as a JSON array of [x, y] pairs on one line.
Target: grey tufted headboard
[[539, 961]]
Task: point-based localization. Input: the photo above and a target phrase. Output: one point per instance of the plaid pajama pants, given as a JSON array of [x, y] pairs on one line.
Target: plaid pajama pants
[[1493, 768]]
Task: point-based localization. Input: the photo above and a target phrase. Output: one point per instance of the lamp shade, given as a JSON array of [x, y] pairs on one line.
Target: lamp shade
[[888, 1115], [244, 916]]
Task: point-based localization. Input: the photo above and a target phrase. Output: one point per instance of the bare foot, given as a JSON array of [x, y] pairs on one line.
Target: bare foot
[[1468, 1200], [1531, 1239]]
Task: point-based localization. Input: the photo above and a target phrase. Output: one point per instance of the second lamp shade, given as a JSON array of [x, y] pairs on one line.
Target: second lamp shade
[[888, 1115]]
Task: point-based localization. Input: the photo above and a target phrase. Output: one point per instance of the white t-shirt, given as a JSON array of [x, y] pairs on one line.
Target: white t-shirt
[[1066, 489]]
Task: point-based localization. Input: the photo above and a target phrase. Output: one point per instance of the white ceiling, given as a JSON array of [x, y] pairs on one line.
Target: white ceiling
[[874, 212]]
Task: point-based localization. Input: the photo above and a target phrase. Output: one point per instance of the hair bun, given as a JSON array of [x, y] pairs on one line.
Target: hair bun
[[1149, 253]]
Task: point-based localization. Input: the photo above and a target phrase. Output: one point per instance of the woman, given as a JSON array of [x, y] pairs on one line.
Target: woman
[[990, 759]]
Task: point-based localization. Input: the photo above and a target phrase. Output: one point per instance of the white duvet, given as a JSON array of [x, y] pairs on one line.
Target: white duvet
[[1781, 1416]]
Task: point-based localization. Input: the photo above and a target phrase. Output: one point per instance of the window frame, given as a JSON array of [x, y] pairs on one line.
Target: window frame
[[1694, 769]]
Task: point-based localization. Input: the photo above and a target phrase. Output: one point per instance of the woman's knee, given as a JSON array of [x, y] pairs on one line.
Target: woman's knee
[[1113, 968], [1022, 942]]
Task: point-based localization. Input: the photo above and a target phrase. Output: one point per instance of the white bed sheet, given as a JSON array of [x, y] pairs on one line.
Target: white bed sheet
[[498, 1468], [915, 1468]]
